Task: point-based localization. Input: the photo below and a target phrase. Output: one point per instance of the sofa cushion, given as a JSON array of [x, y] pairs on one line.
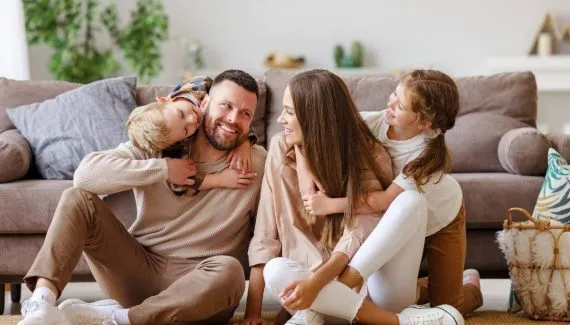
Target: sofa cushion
[[488, 196], [15, 156], [61, 131], [553, 201], [510, 94], [27, 207], [561, 143], [148, 94], [16, 93], [524, 151], [474, 141]]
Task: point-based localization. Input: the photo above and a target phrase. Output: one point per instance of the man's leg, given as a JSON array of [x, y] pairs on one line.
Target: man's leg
[[82, 222], [446, 258], [206, 294]]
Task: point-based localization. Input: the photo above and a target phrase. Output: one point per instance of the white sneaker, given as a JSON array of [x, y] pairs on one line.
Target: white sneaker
[[440, 315], [306, 317], [39, 312], [69, 302], [100, 312]]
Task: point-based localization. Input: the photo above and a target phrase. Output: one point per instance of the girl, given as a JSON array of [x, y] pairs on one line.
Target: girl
[[421, 109], [324, 131]]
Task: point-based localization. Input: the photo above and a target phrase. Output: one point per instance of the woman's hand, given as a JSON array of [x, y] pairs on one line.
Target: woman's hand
[[318, 204], [253, 321], [299, 295]]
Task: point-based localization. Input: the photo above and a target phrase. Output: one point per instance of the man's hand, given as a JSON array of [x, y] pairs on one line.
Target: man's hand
[[240, 158], [231, 178], [179, 171], [299, 295], [253, 321], [318, 204]]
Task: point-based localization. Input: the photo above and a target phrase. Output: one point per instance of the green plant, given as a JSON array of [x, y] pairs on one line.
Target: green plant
[[348, 61], [70, 28]]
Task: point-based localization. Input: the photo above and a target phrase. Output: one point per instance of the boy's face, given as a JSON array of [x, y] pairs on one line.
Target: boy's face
[[181, 118]]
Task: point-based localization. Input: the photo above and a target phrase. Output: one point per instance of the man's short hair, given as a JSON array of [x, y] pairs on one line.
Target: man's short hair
[[239, 77], [147, 128]]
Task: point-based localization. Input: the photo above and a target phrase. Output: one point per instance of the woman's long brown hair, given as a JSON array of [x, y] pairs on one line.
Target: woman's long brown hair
[[434, 96], [336, 142]]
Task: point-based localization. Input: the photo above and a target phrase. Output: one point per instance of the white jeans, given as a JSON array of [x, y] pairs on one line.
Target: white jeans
[[389, 260]]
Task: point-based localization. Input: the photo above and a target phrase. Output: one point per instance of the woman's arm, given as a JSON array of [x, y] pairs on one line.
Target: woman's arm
[[376, 202], [301, 294], [254, 296]]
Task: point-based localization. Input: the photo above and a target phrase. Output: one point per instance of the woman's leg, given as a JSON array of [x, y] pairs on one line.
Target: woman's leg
[[390, 257]]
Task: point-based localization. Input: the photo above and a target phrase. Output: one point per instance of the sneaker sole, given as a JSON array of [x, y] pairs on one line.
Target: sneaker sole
[[70, 302]]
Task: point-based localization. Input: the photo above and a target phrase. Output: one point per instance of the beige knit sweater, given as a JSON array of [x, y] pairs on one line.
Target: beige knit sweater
[[214, 222]]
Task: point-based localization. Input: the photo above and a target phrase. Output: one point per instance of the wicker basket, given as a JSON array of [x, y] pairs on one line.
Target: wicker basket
[[538, 257]]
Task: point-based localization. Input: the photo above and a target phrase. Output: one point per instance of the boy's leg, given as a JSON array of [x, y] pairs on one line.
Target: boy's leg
[[207, 292], [446, 251], [82, 222]]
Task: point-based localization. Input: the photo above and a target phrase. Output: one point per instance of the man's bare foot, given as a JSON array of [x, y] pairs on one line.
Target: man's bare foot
[[471, 276]]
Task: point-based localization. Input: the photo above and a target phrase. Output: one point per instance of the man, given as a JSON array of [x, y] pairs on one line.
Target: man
[[179, 259]]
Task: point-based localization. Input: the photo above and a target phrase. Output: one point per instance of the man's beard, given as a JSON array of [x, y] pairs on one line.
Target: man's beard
[[216, 140]]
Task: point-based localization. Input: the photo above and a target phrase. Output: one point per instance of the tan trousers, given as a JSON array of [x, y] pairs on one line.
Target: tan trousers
[[445, 251], [157, 289]]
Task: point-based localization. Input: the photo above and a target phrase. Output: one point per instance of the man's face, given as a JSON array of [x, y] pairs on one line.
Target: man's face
[[228, 115]]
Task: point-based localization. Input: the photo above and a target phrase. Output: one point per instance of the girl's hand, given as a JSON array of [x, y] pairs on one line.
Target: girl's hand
[[318, 204], [240, 158], [253, 321], [299, 295], [231, 178]]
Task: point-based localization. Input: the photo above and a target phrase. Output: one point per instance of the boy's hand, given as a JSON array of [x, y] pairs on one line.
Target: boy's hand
[[240, 158], [179, 171], [231, 178], [318, 204]]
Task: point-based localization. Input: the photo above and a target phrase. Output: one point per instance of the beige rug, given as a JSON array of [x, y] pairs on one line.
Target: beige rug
[[479, 318]]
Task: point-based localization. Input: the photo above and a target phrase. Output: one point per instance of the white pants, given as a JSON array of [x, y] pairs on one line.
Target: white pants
[[389, 260]]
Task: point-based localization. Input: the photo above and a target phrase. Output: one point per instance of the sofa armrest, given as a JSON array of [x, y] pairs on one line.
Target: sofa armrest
[[561, 143], [15, 156], [524, 151]]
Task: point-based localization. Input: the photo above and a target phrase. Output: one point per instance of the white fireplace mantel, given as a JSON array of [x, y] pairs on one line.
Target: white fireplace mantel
[[552, 72]]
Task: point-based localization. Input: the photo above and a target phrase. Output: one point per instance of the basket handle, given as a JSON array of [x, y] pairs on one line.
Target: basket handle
[[541, 224]]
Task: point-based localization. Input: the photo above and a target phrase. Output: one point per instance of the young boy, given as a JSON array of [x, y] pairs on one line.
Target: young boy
[[166, 127]]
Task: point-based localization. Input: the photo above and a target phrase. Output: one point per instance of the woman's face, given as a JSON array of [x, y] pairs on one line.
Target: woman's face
[[288, 119]]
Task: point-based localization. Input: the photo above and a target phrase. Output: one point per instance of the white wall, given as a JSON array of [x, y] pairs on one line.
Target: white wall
[[457, 36]]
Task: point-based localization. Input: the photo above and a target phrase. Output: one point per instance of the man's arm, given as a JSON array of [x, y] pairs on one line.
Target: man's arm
[[119, 169]]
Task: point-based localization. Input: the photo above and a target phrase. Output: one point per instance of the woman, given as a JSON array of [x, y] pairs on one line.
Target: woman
[[326, 137]]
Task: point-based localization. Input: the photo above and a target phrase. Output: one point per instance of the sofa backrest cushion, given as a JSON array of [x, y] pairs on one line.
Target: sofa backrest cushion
[[490, 106], [147, 94], [15, 93]]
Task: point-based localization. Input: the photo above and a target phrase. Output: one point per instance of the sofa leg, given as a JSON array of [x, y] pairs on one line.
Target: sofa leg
[[3, 287], [16, 292]]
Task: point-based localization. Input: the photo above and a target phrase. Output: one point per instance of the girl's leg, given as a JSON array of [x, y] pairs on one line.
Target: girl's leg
[[446, 258], [390, 257]]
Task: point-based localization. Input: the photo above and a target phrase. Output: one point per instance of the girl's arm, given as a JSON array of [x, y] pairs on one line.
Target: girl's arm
[[254, 296], [376, 202], [301, 294]]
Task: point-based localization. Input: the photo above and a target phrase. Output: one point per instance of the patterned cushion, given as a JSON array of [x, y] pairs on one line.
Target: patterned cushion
[[554, 198]]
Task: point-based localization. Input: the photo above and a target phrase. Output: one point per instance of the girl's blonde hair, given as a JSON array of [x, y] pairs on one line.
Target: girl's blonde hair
[[147, 128], [434, 96]]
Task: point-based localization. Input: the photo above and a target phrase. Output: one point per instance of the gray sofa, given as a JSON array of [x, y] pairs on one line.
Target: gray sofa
[[499, 157]]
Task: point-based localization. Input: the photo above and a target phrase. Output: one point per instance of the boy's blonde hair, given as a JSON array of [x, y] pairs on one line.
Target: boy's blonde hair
[[147, 128]]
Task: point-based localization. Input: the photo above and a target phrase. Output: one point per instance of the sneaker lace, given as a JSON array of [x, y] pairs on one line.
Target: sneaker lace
[[428, 319], [30, 306]]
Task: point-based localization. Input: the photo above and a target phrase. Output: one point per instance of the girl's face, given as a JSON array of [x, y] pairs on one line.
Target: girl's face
[[400, 115], [288, 119]]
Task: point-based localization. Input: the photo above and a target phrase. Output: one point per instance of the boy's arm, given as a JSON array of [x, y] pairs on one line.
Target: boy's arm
[[376, 202], [255, 295], [119, 169]]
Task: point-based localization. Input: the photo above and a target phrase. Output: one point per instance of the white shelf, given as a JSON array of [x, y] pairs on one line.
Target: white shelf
[[552, 72]]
